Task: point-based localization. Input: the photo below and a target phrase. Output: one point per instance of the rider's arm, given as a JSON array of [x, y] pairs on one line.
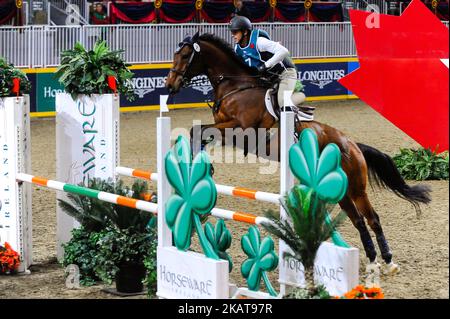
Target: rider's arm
[[279, 52]]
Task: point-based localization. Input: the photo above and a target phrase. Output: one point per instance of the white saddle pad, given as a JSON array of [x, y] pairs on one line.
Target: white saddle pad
[[304, 113]]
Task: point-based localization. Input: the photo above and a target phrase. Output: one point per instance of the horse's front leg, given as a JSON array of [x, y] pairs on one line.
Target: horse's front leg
[[198, 141], [201, 135]]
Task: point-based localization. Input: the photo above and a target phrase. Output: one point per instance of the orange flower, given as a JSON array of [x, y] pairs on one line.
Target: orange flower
[[361, 292]]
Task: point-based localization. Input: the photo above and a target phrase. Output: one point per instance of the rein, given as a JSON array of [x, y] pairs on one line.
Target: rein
[[217, 103]]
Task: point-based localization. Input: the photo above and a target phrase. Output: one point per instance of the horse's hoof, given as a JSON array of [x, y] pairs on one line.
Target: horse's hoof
[[392, 268]]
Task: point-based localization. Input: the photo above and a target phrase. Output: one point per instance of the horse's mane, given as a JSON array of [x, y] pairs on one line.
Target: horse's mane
[[227, 49]]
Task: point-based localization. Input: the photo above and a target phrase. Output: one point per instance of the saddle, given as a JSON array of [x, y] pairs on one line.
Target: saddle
[[302, 113]]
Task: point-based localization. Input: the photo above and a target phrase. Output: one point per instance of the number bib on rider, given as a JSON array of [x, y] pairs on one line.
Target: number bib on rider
[[250, 53]]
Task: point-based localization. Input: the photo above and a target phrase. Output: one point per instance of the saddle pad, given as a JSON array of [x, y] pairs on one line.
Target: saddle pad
[[303, 113]]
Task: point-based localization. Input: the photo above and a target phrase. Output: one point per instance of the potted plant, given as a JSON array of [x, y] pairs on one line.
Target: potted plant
[[13, 82], [304, 230], [87, 118], [113, 241], [94, 72]]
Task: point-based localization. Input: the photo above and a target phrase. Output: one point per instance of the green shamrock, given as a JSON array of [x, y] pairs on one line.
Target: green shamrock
[[262, 258], [220, 239], [195, 195], [320, 175]]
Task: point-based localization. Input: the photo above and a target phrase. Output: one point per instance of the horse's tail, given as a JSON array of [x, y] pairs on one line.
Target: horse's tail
[[384, 173]]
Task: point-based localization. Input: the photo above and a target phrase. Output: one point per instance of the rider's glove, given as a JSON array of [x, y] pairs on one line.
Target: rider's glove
[[262, 68]]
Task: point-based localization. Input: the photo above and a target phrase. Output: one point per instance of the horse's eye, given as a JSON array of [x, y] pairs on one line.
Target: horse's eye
[[185, 56]]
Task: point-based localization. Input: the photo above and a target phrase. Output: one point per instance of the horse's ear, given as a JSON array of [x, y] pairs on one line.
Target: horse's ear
[[195, 37]]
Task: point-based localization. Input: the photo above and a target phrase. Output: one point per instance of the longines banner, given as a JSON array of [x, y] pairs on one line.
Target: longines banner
[[319, 76]]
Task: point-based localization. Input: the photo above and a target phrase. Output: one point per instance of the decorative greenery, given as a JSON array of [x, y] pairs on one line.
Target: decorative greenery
[[195, 195], [121, 246], [305, 229], [302, 293], [86, 72], [422, 164], [7, 73], [220, 239], [150, 264], [308, 222], [261, 259], [110, 234], [9, 260], [320, 172], [94, 214], [82, 250]]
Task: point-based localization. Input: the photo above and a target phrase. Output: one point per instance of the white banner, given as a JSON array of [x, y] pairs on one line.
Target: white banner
[[337, 268], [190, 275], [87, 146]]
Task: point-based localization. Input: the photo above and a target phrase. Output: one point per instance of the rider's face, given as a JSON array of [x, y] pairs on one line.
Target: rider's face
[[237, 36]]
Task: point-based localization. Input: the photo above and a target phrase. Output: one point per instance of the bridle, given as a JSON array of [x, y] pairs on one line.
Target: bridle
[[184, 79]]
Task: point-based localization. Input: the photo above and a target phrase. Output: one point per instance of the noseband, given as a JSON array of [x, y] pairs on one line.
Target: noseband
[[184, 80]]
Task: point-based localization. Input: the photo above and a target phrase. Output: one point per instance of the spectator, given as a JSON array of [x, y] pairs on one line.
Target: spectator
[[241, 10], [99, 15]]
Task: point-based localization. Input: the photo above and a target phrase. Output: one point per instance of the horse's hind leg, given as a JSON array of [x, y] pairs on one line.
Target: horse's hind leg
[[358, 221], [364, 207]]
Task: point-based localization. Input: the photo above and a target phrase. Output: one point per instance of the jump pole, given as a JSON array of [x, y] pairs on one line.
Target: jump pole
[[92, 193]]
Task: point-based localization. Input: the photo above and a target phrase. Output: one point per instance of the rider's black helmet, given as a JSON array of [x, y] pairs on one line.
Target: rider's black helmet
[[240, 23]]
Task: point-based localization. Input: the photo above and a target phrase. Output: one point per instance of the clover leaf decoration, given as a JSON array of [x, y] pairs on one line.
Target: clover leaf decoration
[[220, 239], [320, 174], [195, 195], [262, 258]]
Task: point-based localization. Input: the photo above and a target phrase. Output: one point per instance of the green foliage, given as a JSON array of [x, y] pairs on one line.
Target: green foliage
[[7, 73], [307, 226], [94, 214], [302, 293], [110, 234], [81, 250], [422, 164], [124, 245], [86, 72], [150, 265]]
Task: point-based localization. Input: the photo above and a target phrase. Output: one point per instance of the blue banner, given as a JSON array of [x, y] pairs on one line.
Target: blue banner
[[319, 77]]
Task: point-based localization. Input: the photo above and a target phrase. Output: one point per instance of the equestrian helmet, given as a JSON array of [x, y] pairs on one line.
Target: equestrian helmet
[[240, 23]]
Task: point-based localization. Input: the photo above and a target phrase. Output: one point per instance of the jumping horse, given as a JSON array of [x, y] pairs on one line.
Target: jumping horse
[[239, 103]]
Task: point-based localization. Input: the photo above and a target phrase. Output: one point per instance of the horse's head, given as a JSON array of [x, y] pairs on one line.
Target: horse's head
[[185, 64]]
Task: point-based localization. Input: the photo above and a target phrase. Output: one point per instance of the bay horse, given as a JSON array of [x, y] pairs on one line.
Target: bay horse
[[239, 103]]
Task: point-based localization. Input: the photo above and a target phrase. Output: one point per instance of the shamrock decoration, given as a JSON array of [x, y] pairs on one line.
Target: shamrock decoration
[[220, 239], [262, 258], [321, 173], [195, 195]]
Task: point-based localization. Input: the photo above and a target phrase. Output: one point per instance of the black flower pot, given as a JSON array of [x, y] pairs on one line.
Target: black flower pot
[[129, 277]]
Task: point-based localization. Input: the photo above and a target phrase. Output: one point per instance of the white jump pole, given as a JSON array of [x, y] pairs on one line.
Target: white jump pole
[[287, 130], [164, 190]]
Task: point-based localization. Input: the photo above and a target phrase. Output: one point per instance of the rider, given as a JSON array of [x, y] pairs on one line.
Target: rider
[[258, 51]]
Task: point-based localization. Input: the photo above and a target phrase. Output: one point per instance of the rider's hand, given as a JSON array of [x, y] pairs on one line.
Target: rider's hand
[[262, 68]]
